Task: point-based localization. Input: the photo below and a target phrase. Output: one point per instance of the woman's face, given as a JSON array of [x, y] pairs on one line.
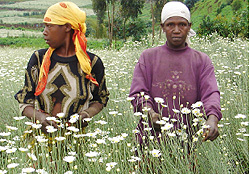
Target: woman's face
[[176, 29], [54, 35]]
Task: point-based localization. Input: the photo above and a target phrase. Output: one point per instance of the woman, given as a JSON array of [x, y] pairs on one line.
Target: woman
[[64, 78]]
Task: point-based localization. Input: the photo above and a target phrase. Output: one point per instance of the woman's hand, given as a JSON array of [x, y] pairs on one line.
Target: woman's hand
[[211, 133]]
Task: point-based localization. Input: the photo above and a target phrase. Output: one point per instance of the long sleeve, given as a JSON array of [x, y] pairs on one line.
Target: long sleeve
[[100, 93], [26, 94], [141, 82], [209, 93]]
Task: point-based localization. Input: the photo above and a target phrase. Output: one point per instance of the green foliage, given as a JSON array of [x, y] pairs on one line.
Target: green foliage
[[238, 26], [23, 42], [137, 29], [236, 5]]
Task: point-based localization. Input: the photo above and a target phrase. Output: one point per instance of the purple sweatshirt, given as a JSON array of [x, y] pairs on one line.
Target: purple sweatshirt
[[185, 73]]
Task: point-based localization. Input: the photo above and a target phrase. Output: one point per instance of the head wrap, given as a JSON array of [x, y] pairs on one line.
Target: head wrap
[[176, 8], [60, 14]]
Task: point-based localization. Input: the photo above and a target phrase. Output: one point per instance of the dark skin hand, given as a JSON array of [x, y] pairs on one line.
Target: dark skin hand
[[93, 109], [36, 115], [212, 132], [154, 118]]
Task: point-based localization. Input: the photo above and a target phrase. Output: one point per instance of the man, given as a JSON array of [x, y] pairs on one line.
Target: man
[[65, 78], [176, 73]]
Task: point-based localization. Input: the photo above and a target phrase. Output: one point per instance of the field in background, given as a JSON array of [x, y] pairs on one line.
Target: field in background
[[229, 153]]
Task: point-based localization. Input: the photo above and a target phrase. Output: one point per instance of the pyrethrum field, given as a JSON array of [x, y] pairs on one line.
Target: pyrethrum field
[[109, 142]]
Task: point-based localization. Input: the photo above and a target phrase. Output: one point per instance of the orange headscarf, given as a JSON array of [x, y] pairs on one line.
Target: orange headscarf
[[60, 14]]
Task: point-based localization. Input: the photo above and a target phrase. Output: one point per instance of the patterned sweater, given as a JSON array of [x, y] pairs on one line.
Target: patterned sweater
[[67, 89]]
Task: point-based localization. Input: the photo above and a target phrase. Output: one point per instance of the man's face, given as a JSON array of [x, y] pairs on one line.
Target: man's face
[[176, 29]]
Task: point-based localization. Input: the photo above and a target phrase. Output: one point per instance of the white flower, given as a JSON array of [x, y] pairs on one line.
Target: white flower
[[155, 153], [51, 129], [137, 114], [3, 148], [167, 126], [148, 129], [171, 134], [195, 139], [32, 156], [146, 109], [91, 134], [176, 111], [110, 165], [12, 165], [11, 128], [19, 118], [60, 138], [41, 139], [23, 149], [161, 122], [185, 110], [41, 171], [124, 135], [28, 123], [101, 122], [100, 141], [3, 171], [73, 120], [12, 150], [135, 131], [36, 126], [87, 119], [51, 118], [173, 120], [73, 128], [130, 98], [205, 126], [240, 116], [113, 112], [146, 97], [60, 115], [142, 93], [196, 111], [244, 123], [72, 153], [240, 139], [134, 158], [69, 159], [75, 116], [5, 134], [197, 104], [159, 100], [92, 154], [68, 172], [28, 170]]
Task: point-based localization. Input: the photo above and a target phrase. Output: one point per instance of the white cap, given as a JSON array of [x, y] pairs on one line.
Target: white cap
[[174, 8]]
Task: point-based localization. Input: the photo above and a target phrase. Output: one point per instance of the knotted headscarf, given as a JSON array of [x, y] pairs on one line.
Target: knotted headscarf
[[60, 14], [176, 8]]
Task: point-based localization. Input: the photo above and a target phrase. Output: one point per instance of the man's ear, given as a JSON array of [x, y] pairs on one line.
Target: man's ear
[[68, 27]]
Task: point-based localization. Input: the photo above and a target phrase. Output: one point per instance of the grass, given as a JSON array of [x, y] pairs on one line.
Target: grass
[[229, 153]]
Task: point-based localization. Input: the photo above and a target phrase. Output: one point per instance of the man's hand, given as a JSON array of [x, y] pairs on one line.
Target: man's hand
[[212, 132]]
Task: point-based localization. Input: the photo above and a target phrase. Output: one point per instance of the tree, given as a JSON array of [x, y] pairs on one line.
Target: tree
[[99, 7], [190, 3], [130, 9]]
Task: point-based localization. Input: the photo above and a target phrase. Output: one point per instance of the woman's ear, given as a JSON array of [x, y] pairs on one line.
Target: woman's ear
[[68, 27]]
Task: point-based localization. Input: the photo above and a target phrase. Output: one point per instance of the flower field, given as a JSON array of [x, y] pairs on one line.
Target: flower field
[[108, 144]]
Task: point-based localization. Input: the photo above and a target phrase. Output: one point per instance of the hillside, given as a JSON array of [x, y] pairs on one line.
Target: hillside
[[216, 7]]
